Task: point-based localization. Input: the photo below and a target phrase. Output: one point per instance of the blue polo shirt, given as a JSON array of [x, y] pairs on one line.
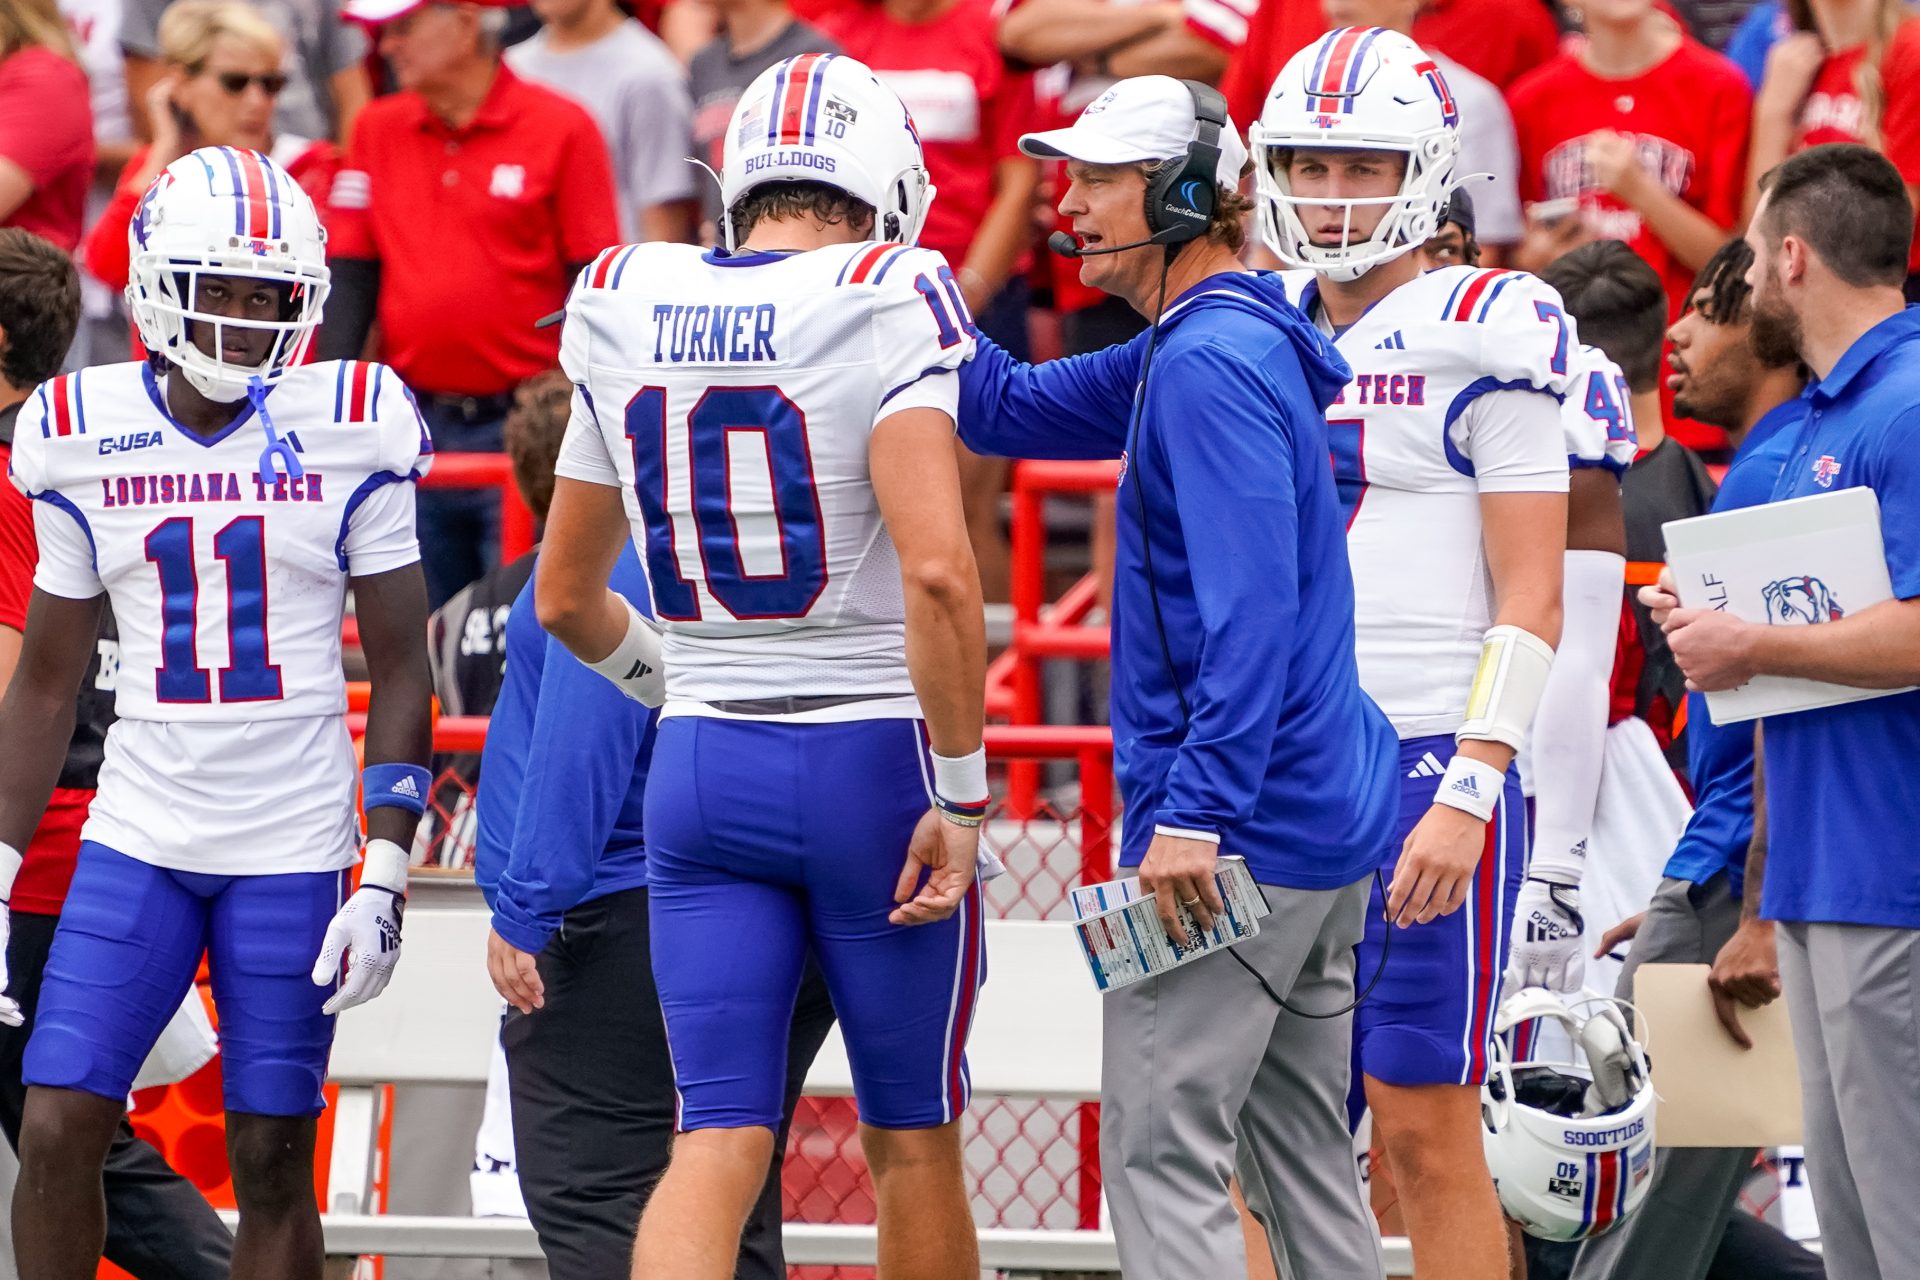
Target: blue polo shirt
[[1720, 757], [1843, 805], [563, 779]]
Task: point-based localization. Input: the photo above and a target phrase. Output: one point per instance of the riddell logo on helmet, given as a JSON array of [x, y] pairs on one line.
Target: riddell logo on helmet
[[793, 159], [1603, 1137]]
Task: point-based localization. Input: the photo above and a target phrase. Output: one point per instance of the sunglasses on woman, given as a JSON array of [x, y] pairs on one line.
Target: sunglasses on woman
[[236, 82]]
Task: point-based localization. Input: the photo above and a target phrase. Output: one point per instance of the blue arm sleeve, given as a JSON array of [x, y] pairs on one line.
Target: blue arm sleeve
[[1065, 409], [1244, 571], [586, 740]]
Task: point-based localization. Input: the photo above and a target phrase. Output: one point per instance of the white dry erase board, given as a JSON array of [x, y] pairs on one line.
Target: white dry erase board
[[1787, 564]]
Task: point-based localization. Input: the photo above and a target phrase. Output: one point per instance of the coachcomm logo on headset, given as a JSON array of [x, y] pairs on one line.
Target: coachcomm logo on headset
[[1189, 192]]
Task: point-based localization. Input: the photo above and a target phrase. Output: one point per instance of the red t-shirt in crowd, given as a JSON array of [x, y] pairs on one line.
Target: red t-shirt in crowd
[[46, 128], [478, 229], [967, 105], [47, 861], [1690, 114], [1832, 111]]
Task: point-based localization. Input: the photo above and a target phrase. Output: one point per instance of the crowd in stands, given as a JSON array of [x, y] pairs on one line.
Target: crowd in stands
[[470, 158]]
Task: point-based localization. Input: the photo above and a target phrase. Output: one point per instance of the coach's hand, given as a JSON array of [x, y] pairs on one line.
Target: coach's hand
[[1436, 866], [1746, 972], [1660, 598], [515, 974], [944, 853], [1712, 648], [367, 933], [1178, 872]]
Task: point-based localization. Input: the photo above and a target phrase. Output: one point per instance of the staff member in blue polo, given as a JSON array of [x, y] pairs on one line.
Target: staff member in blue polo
[[561, 858], [1830, 240]]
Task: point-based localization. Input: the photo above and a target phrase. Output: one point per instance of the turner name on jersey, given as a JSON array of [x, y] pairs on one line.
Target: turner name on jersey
[[730, 398], [1426, 426], [229, 586]]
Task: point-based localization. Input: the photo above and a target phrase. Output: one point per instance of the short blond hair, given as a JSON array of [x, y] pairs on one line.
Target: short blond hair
[[189, 28]]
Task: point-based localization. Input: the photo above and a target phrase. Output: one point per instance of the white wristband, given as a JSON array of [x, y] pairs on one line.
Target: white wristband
[[635, 665], [1471, 786], [10, 861], [961, 779], [384, 867]]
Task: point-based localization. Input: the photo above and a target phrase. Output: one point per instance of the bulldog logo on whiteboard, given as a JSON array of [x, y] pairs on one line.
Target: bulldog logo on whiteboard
[[1800, 600], [509, 181]]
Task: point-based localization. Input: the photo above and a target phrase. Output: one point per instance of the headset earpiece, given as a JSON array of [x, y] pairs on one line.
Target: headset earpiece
[[1180, 199]]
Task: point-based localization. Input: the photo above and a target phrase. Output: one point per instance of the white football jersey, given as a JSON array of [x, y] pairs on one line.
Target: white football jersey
[[229, 589], [1597, 416], [1417, 436], [731, 399]]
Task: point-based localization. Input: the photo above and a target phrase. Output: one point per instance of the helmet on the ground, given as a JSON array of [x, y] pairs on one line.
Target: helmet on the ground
[[825, 117], [1357, 89], [1570, 1144], [223, 211]]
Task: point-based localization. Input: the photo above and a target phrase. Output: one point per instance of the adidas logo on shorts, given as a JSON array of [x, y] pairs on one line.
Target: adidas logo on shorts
[[1429, 767]]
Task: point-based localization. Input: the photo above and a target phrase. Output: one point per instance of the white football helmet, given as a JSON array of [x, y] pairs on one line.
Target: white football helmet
[[1570, 1144], [824, 117], [222, 211], [1357, 89]]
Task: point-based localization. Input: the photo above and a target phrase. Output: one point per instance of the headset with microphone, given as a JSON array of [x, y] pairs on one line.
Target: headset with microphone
[[1179, 206], [1180, 198]]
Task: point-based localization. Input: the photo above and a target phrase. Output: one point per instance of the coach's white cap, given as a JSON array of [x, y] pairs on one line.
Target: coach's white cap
[[375, 12], [1145, 118]]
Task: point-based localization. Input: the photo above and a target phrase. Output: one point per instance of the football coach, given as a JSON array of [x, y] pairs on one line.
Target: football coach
[[1830, 239], [1238, 722]]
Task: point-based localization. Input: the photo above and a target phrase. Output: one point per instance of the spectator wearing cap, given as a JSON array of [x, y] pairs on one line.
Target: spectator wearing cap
[[469, 201], [222, 77], [1848, 72], [46, 125], [943, 58], [754, 35], [1487, 143], [325, 77], [1639, 135], [1239, 724], [636, 92], [1840, 879]]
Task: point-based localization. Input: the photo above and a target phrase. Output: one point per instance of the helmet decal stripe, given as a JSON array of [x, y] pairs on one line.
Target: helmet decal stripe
[[1359, 59], [250, 188], [273, 199], [1339, 58], [239, 191], [1588, 1184], [793, 98], [816, 90], [773, 103], [1318, 76]]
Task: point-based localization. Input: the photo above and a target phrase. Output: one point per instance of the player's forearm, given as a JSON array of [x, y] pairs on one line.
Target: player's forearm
[[36, 724], [392, 611], [947, 651], [1877, 648], [1569, 730], [1042, 32]]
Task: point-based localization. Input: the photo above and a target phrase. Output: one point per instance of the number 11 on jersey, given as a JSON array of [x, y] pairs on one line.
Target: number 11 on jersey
[[241, 546]]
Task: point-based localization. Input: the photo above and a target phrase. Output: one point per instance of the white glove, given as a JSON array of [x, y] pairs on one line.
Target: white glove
[[9, 867], [635, 665], [366, 931], [1545, 948]]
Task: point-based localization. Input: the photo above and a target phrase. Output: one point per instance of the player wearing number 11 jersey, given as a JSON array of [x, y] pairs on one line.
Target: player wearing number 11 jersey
[[224, 822], [772, 423]]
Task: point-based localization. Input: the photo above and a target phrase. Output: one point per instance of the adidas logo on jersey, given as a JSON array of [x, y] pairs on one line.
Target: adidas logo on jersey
[[407, 787], [1429, 767], [1394, 342]]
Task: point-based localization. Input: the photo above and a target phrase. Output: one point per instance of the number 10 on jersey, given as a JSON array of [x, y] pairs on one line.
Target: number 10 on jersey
[[787, 544]]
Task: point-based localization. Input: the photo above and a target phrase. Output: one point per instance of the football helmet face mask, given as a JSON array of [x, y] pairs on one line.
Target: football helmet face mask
[[1570, 1144], [1356, 89], [824, 117], [221, 211]]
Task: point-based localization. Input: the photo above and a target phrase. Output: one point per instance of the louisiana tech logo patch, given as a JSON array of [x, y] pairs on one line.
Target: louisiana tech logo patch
[[1826, 471]]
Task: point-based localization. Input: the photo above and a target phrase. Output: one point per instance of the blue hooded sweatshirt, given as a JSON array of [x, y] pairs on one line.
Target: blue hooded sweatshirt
[[1282, 756]]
